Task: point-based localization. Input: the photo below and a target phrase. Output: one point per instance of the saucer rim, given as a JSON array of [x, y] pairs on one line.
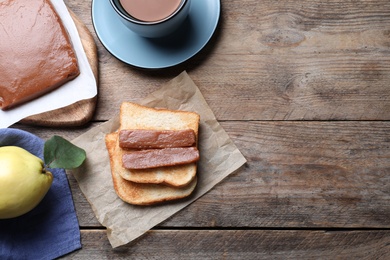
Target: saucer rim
[[216, 15]]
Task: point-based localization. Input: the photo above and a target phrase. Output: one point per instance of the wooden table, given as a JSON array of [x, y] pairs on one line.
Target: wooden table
[[303, 90]]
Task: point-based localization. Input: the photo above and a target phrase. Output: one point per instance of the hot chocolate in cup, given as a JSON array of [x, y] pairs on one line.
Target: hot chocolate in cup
[[152, 18]]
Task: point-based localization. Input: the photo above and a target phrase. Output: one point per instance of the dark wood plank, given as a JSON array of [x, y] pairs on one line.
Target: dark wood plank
[[299, 174], [47, 132], [307, 174], [309, 60], [239, 244], [283, 60]]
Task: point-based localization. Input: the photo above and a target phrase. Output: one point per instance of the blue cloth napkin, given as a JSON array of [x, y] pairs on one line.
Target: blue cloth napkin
[[51, 229]]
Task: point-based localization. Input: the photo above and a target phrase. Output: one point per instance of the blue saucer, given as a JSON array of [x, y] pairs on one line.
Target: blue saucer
[[159, 53]]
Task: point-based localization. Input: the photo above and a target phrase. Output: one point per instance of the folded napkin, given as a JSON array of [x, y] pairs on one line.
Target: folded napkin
[[51, 229]]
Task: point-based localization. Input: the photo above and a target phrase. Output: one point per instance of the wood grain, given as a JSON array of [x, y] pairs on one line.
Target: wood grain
[[299, 174], [240, 244], [302, 88], [82, 111], [312, 60]]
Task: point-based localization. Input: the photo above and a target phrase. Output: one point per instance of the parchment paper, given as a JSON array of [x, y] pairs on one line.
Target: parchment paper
[[82, 87], [124, 222]]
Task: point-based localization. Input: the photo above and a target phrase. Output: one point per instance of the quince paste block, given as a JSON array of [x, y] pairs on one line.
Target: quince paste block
[[36, 53]]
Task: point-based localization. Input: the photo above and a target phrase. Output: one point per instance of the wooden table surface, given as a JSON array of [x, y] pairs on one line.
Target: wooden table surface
[[303, 90]]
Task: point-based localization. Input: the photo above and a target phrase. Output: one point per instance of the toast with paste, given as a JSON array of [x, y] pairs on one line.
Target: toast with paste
[[134, 116], [139, 193]]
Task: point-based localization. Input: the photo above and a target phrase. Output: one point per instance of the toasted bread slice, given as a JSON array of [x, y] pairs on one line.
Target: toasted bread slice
[[137, 193], [134, 116], [176, 176]]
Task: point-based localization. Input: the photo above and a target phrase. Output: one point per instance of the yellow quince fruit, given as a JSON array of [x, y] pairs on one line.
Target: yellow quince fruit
[[23, 181]]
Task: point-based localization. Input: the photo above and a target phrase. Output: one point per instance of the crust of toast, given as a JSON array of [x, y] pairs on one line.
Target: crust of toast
[[139, 193], [134, 116]]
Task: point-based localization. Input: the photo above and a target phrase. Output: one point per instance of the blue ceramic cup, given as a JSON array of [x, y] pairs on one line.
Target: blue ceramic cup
[[153, 29]]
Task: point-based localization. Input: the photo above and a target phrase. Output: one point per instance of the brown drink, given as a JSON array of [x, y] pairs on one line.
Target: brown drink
[[150, 10]]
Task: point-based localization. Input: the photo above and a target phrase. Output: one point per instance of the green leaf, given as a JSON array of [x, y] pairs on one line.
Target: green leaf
[[60, 153]]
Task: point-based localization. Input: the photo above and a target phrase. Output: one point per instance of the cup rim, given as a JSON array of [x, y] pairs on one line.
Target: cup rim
[[131, 19]]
